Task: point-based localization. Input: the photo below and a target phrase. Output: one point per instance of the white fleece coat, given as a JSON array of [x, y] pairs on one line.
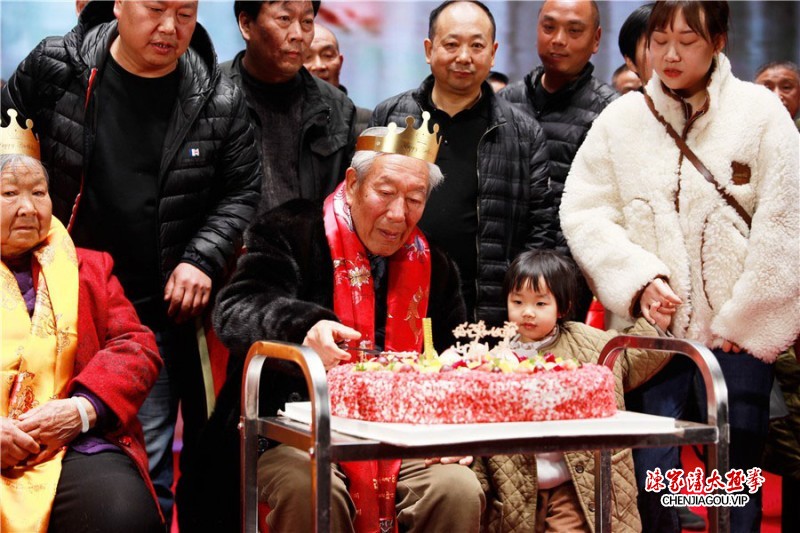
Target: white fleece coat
[[634, 209]]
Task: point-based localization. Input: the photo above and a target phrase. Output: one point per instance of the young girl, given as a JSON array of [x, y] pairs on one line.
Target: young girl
[[647, 223], [555, 491]]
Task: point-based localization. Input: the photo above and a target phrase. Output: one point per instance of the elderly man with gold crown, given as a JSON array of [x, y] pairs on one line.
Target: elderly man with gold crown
[[354, 271], [76, 366]]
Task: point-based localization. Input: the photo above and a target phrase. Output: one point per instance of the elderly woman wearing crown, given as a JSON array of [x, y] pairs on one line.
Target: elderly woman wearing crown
[[354, 270], [76, 366]]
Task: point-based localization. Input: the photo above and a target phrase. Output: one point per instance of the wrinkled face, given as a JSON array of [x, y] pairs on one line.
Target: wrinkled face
[[681, 57], [785, 83], [153, 35], [534, 313], [26, 208], [388, 202], [627, 81], [462, 51], [278, 40], [566, 37], [323, 59]]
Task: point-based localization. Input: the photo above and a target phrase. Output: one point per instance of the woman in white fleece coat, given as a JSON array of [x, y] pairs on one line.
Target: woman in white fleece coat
[[646, 226]]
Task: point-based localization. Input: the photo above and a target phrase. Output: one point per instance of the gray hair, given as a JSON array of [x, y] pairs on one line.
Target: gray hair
[[363, 160], [7, 160]]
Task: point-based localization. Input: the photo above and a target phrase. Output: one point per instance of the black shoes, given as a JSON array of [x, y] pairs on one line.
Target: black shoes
[[690, 520]]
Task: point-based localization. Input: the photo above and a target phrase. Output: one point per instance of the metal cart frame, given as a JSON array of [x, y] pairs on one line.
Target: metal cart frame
[[326, 447]]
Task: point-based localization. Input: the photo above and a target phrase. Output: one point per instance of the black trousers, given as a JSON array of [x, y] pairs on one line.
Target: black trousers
[[101, 493]]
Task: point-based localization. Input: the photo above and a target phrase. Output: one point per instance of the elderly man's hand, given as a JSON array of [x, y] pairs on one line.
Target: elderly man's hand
[[324, 335], [188, 290], [53, 425], [15, 444]]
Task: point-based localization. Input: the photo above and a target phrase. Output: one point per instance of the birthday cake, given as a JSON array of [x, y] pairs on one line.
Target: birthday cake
[[471, 384]]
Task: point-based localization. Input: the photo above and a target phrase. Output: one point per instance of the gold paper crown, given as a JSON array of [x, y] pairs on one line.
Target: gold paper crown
[[419, 143], [16, 140]]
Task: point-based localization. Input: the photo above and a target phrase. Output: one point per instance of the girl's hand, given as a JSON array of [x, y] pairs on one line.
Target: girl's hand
[[658, 291], [466, 461], [659, 318]]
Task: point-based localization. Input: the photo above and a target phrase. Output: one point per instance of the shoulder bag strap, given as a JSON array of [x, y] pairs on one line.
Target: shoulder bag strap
[[694, 160]]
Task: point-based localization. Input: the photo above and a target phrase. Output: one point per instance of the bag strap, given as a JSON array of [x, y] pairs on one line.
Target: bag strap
[[694, 160]]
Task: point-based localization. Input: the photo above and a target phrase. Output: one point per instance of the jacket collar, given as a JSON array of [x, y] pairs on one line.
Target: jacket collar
[[565, 94], [421, 96], [315, 106], [672, 107]]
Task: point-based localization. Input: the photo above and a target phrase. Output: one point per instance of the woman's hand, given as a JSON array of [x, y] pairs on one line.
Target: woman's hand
[[658, 292], [465, 460], [322, 338], [53, 425], [15, 444]]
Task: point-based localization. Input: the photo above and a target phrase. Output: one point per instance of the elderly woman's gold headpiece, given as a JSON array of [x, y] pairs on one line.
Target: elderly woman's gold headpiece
[[16, 140]]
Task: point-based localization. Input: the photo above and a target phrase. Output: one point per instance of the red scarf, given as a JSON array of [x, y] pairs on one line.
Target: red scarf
[[373, 483]]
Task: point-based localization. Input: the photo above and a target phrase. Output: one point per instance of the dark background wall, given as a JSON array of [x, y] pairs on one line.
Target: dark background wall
[[382, 41]]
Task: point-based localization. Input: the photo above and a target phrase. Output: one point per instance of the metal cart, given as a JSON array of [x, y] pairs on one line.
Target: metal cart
[[326, 446]]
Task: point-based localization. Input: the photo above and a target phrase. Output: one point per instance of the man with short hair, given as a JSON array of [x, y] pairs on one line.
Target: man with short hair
[[632, 42], [625, 80], [562, 94], [296, 284], [496, 201], [305, 128], [783, 79], [324, 60], [151, 159]]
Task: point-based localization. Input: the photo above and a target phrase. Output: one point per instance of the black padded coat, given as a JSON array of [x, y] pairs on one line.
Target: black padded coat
[[205, 201], [327, 132], [566, 119], [515, 205]]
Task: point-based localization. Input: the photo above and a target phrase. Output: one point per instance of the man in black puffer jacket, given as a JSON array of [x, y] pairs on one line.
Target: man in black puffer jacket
[[495, 202], [152, 159], [562, 94]]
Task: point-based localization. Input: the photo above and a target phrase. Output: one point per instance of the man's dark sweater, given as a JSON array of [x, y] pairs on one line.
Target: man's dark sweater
[[280, 107]]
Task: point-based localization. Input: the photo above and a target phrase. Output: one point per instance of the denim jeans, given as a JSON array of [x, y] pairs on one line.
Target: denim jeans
[[180, 381], [749, 382]]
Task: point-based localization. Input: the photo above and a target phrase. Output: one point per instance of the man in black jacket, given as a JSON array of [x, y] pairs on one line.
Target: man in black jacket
[[562, 94], [152, 159], [496, 201], [305, 128]]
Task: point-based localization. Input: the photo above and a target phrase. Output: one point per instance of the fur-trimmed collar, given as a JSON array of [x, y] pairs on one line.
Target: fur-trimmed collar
[[672, 109]]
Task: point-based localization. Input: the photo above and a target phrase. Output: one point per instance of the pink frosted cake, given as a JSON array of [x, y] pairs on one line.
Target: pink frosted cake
[[467, 386]]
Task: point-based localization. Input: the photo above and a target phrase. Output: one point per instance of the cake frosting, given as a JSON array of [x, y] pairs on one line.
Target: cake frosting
[[471, 384]]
